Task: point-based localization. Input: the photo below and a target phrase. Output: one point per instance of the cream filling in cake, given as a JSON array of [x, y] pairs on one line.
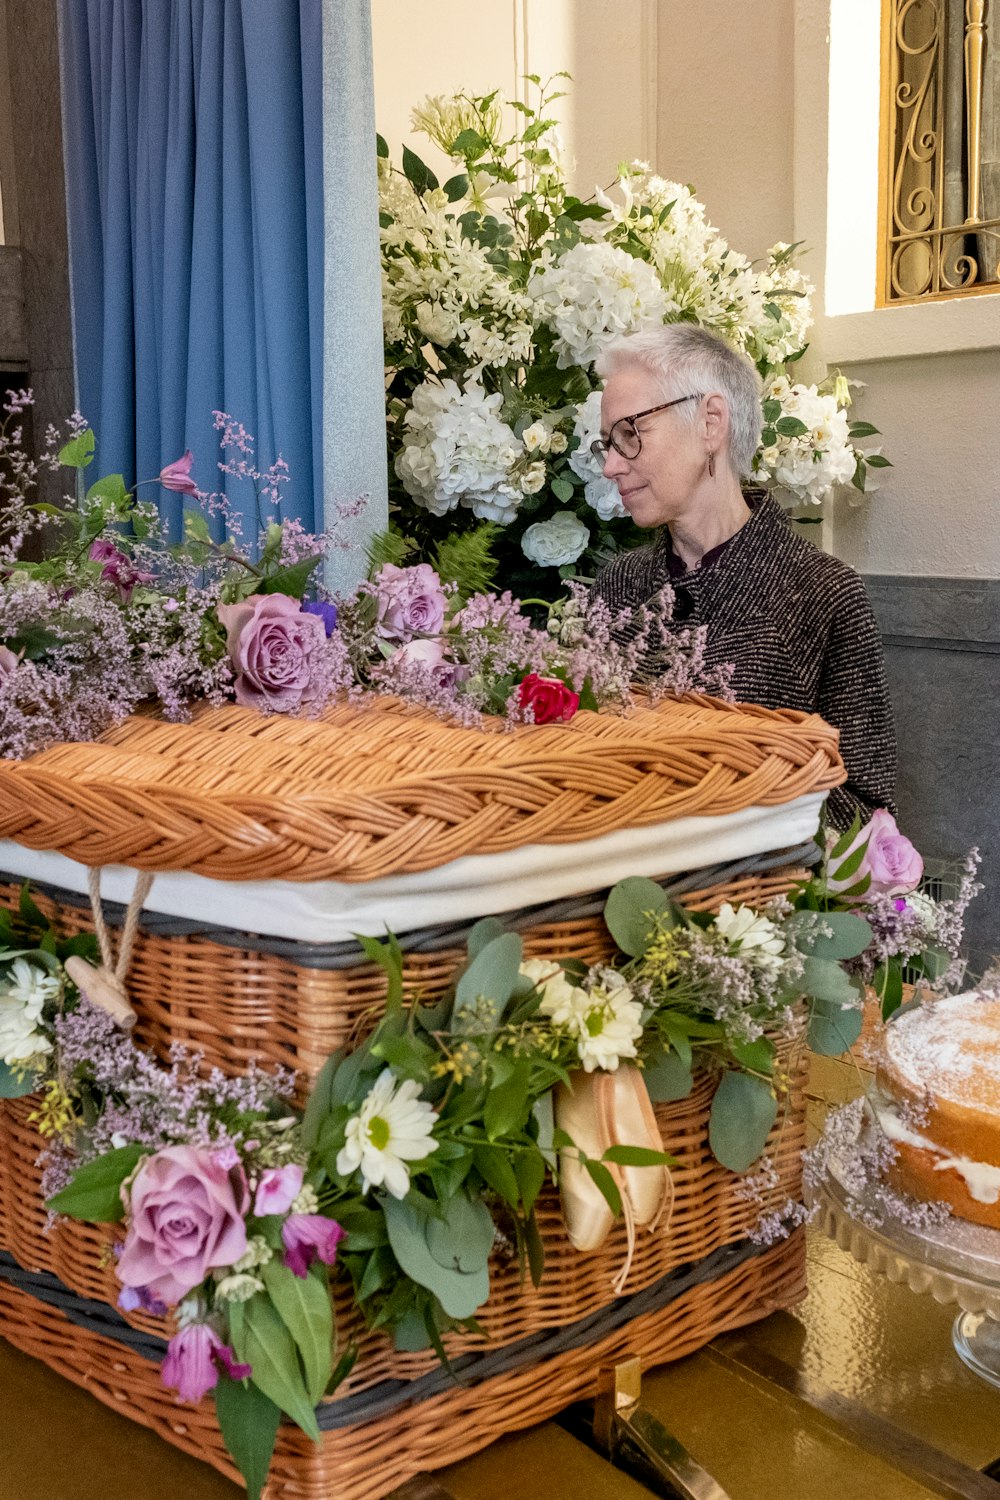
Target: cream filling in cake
[[980, 1177]]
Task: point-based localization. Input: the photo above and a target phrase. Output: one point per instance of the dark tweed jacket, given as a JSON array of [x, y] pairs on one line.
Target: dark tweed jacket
[[798, 627]]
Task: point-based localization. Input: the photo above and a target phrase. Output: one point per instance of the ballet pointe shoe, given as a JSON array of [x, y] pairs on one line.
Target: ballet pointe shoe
[[633, 1123], [583, 1113]]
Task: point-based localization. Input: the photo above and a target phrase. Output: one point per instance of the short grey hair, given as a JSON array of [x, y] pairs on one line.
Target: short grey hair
[[682, 358]]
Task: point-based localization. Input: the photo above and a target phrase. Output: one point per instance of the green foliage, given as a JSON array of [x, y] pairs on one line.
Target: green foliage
[[303, 1304], [261, 1339], [743, 1111], [467, 560], [453, 1266], [79, 451], [248, 1421], [389, 546], [16, 1084], [94, 1194], [627, 913]]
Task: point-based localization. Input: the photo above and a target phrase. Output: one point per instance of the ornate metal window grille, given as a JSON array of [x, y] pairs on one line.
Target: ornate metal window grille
[[940, 208]]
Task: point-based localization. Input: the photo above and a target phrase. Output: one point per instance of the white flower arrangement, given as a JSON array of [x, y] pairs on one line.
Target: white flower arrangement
[[500, 290], [24, 993]]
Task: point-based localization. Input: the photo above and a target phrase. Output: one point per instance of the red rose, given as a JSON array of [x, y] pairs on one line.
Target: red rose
[[550, 700]]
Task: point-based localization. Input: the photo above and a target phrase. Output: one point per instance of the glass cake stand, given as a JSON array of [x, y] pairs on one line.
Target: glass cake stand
[[956, 1262]]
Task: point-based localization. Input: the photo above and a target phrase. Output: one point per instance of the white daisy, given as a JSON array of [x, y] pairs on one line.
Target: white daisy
[[392, 1127], [751, 935]]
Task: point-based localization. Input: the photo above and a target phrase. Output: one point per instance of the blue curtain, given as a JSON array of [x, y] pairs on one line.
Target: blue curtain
[[194, 165]]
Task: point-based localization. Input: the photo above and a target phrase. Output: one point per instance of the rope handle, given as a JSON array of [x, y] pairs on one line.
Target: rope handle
[[105, 985]]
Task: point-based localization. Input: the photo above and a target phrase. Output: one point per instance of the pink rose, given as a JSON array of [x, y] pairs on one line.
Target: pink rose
[[186, 1218], [309, 1237], [891, 861], [411, 601], [277, 1190], [177, 476], [272, 645], [550, 700], [192, 1362], [8, 662]]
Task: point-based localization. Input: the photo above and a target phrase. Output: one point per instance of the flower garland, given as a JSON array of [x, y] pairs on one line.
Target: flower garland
[[500, 289]]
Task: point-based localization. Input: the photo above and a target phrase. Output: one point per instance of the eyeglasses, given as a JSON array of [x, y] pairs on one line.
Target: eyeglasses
[[624, 437]]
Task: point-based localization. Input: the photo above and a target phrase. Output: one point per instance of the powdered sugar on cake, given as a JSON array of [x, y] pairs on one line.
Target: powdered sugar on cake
[[950, 1048]]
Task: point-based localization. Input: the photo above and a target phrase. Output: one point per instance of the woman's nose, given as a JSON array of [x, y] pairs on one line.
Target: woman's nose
[[614, 464]]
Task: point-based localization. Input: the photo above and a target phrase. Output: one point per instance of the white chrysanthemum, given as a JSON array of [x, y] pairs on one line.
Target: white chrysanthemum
[[393, 1127], [601, 494], [604, 1019], [555, 990], [751, 935], [456, 450], [592, 294], [553, 543], [23, 996]]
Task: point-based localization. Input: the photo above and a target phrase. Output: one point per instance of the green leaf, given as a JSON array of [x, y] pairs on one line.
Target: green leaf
[[562, 489], [389, 956], [303, 1303], [248, 1421], [33, 641], [381, 146], [626, 913], [790, 427], [78, 452], [833, 1028], [28, 910], [319, 1103], [757, 1056], [418, 173], [484, 932], [851, 934], [606, 1186], [877, 461], [851, 864], [95, 1191], [469, 144], [111, 487], [887, 982], [492, 973], [17, 1085], [462, 1239], [456, 187], [826, 980], [862, 430], [461, 1294], [935, 961], [667, 1077], [261, 1340], [343, 1368], [771, 410], [743, 1112], [636, 1156], [493, 1166], [293, 580], [529, 1169], [508, 1105], [536, 1250]]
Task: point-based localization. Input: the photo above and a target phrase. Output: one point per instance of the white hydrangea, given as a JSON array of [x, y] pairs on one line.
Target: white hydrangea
[[591, 294], [457, 451], [553, 543], [811, 465], [600, 493], [24, 993]]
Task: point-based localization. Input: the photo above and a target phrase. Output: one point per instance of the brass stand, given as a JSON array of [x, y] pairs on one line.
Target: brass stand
[[635, 1441]]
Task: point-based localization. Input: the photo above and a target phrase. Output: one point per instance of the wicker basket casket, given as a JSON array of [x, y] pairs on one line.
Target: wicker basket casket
[[273, 842]]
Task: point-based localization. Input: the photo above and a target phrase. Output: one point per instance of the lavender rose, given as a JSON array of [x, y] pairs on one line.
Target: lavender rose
[[890, 860], [411, 602], [273, 646], [186, 1218]]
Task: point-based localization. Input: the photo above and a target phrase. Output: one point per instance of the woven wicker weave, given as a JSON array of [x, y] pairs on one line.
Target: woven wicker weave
[[369, 1460], [390, 789]]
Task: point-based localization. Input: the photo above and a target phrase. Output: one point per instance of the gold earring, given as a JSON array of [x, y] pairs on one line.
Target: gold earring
[[711, 466]]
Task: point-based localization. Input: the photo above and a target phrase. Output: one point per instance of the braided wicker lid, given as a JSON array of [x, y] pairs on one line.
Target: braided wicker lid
[[388, 788]]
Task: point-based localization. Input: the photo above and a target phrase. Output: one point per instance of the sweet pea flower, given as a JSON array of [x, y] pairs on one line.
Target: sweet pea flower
[[277, 1190], [177, 476], [117, 568], [192, 1362], [309, 1237]]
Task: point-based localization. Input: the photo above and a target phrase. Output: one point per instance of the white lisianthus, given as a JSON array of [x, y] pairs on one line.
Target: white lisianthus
[[751, 935], [24, 993], [536, 436], [556, 542], [600, 494], [456, 450], [592, 294], [392, 1127]]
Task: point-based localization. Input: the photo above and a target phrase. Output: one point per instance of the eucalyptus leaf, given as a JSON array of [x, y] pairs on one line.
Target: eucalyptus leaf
[[626, 912], [484, 932], [851, 934], [16, 1085], [459, 1293], [833, 1028], [260, 1339], [668, 1077], [935, 961], [463, 1238], [826, 980], [743, 1111], [248, 1421], [492, 974]]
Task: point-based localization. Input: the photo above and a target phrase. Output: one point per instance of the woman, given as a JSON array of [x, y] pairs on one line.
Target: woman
[[680, 422]]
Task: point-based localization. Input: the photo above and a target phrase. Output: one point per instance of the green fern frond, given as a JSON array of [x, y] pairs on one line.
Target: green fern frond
[[467, 561], [389, 546]]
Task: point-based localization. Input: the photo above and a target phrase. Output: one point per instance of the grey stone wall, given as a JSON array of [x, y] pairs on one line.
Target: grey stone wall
[[942, 651]]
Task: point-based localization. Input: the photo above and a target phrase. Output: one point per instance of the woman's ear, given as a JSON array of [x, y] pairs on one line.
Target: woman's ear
[[715, 415]]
